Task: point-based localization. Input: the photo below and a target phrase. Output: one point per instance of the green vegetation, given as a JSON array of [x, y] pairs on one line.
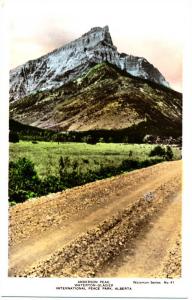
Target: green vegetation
[[104, 103], [29, 133], [23, 180], [158, 150], [169, 153], [13, 137], [165, 152], [133, 134], [41, 168], [45, 155]]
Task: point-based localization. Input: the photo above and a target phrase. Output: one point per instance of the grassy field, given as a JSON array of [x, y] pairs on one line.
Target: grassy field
[[46, 155]]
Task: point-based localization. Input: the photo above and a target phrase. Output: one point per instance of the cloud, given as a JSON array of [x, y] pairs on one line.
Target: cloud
[[140, 27]]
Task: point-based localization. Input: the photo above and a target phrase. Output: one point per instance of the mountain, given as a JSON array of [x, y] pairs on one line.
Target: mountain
[[104, 97], [75, 59]]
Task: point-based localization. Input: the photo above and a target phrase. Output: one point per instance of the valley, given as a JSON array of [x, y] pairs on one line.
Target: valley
[[40, 168], [95, 165]]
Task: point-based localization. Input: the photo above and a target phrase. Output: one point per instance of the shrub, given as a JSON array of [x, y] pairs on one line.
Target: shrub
[[12, 203], [157, 151], [130, 153], [23, 180], [169, 153], [63, 165], [51, 184], [85, 161], [129, 164]]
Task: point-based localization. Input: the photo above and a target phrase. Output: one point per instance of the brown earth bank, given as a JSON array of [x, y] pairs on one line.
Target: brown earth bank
[[125, 226]]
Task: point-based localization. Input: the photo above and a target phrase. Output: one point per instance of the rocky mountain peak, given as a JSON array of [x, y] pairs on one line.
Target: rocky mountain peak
[[97, 35], [74, 59]]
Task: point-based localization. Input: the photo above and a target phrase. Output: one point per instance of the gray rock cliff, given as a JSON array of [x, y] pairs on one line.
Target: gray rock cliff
[[72, 60]]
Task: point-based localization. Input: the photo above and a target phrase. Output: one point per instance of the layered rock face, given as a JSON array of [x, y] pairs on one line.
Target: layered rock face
[[72, 60]]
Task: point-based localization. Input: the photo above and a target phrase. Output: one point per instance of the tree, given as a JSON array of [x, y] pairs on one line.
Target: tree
[[169, 153], [91, 139], [13, 137], [158, 150]]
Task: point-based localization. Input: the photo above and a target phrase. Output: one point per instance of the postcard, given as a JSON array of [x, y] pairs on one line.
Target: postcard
[[95, 159]]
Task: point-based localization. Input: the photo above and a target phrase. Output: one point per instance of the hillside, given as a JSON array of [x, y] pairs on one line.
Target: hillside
[[27, 132], [104, 98]]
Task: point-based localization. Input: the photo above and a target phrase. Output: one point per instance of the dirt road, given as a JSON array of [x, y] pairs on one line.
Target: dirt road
[[125, 226]]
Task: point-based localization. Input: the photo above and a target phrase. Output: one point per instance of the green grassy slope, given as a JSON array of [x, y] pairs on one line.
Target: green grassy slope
[[104, 98]]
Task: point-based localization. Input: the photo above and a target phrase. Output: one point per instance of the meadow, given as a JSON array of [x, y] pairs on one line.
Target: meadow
[[46, 155]]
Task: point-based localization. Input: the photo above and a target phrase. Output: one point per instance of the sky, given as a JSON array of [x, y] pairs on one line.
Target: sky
[[149, 28]]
